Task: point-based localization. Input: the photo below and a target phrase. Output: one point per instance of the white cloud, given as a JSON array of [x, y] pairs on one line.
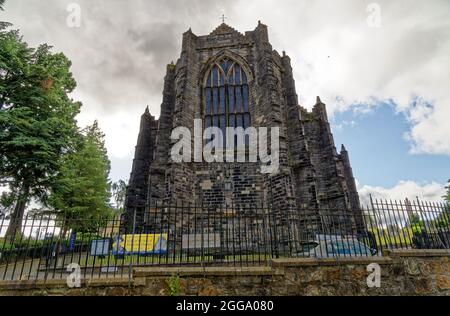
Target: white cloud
[[430, 128], [338, 56], [335, 54], [403, 189], [121, 128]]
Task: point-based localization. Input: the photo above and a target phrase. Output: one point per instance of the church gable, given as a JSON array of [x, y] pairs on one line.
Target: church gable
[[227, 79], [224, 29]]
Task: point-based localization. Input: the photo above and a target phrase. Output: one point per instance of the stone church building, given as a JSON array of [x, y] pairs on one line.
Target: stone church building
[[228, 78]]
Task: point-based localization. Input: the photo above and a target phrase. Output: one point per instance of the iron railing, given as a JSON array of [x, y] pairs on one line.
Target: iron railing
[[171, 235]]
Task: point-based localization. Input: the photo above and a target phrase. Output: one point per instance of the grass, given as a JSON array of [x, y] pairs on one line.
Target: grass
[[403, 237], [4, 245], [22, 243]]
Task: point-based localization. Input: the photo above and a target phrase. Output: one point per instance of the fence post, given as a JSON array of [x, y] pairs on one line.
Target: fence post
[[132, 247]]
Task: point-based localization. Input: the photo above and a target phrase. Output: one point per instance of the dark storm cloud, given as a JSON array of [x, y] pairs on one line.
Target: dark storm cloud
[[150, 42], [121, 50]]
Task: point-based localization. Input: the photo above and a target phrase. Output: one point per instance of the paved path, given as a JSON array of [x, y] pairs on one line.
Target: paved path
[[35, 269]]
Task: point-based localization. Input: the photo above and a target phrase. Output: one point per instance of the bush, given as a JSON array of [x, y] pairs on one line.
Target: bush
[[174, 285]]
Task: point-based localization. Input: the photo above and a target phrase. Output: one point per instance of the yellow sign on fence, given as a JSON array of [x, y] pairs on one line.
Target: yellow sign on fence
[[141, 244]]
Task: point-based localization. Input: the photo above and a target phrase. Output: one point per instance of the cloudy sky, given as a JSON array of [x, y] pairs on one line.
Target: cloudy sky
[[383, 68]]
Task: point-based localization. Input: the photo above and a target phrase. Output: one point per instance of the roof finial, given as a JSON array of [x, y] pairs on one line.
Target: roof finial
[[223, 18]]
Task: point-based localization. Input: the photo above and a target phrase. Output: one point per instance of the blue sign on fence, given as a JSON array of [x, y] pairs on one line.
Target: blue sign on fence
[[100, 247], [73, 238]]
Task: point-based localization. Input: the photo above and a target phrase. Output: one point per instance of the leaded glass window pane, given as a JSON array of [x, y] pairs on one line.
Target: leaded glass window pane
[[215, 121], [222, 100], [245, 95], [237, 70], [223, 127], [215, 100], [231, 99], [208, 100], [232, 120], [246, 121], [208, 123], [225, 66], [239, 122], [231, 77], [215, 77], [238, 99]]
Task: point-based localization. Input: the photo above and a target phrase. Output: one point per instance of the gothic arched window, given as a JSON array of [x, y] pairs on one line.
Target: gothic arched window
[[226, 96]]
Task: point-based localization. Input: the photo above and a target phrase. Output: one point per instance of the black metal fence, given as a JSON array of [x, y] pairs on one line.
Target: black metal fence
[[46, 245]]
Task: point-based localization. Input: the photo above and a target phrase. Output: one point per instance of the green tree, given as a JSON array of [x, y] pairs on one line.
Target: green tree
[[37, 119], [7, 200], [118, 193], [416, 223], [80, 193], [414, 219], [441, 221]]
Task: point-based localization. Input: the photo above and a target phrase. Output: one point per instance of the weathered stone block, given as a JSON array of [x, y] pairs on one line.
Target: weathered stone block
[[411, 266], [443, 282]]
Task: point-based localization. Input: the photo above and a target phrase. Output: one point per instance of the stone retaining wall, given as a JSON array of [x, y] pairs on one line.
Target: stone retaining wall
[[415, 272]]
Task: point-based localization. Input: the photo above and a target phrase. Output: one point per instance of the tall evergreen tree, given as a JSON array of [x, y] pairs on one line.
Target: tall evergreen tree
[[37, 119], [118, 192], [80, 193]]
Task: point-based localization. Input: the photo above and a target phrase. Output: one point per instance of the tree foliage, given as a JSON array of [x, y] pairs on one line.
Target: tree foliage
[[80, 192], [37, 119], [118, 193], [43, 154], [7, 200]]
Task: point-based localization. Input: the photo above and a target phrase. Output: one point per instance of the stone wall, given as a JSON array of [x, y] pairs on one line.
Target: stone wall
[[424, 272]]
